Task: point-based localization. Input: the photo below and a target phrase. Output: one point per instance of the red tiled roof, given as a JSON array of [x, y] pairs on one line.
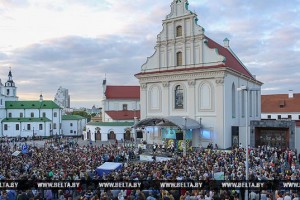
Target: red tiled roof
[[124, 114], [231, 62], [122, 92], [280, 103]]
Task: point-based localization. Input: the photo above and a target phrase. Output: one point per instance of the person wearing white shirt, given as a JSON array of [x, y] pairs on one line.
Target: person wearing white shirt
[[287, 196], [296, 197]]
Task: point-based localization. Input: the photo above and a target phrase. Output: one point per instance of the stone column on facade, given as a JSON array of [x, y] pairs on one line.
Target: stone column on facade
[[184, 44], [191, 104], [160, 64], [192, 43], [166, 44], [174, 43], [144, 98], [220, 130], [174, 53], [165, 98], [201, 50]]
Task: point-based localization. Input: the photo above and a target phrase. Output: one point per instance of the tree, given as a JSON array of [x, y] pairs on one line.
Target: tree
[[83, 114]]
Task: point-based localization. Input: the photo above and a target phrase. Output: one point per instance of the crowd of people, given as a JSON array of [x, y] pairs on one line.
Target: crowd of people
[[70, 161]]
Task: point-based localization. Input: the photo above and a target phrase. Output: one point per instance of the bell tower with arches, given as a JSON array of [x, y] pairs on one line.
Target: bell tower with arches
[[10, 89]]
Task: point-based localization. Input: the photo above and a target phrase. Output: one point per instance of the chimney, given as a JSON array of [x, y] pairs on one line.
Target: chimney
[[291, 94], [226, 42]]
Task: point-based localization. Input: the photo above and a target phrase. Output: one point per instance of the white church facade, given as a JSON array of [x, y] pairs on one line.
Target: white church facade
[[33, 117], [192, 77]]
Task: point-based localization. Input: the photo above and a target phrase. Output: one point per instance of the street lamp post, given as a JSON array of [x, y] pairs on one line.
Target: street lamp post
[[33, 136], [247, 90], [183, 139]]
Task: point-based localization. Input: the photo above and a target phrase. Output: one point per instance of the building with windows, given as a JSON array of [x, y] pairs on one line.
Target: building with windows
[[27, 118], [109, 131], [281, 106], [120, 107], [280, 124], [31, 118], [191, 81], [8, 92], [73, 125], [62, 98], [120, 103]]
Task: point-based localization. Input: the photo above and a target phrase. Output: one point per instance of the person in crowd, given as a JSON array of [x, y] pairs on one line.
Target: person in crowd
[[80, 162]]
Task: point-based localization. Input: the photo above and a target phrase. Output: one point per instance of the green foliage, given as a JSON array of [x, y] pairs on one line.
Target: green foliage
[[83, 114]]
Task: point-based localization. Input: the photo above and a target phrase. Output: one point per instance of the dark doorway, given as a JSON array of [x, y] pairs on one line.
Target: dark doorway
[[98, 135], [127, 135], [111, 135], [235, 136], [139, 134], [89, 135]]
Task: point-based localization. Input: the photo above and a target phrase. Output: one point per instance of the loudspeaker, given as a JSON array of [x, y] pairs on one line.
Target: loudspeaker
[[139, 134], [179, 136]]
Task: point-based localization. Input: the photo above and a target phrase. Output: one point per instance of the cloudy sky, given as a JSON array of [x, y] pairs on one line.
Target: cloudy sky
[[74, 43]]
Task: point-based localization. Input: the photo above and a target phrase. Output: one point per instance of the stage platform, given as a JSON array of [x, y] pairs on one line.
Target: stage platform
[[159, 157]]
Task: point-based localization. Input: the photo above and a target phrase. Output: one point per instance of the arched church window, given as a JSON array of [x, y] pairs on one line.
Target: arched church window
[[178, 31], [243, 104], [178, 97], [179, 58], [233, 104]]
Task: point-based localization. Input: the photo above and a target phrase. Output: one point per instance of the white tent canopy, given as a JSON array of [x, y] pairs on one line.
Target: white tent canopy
[[108, 167]]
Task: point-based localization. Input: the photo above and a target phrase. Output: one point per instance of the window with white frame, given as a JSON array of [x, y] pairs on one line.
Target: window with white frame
[[243, 103], [178, 31], [178, 97], [233, 104], [179, 58]]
